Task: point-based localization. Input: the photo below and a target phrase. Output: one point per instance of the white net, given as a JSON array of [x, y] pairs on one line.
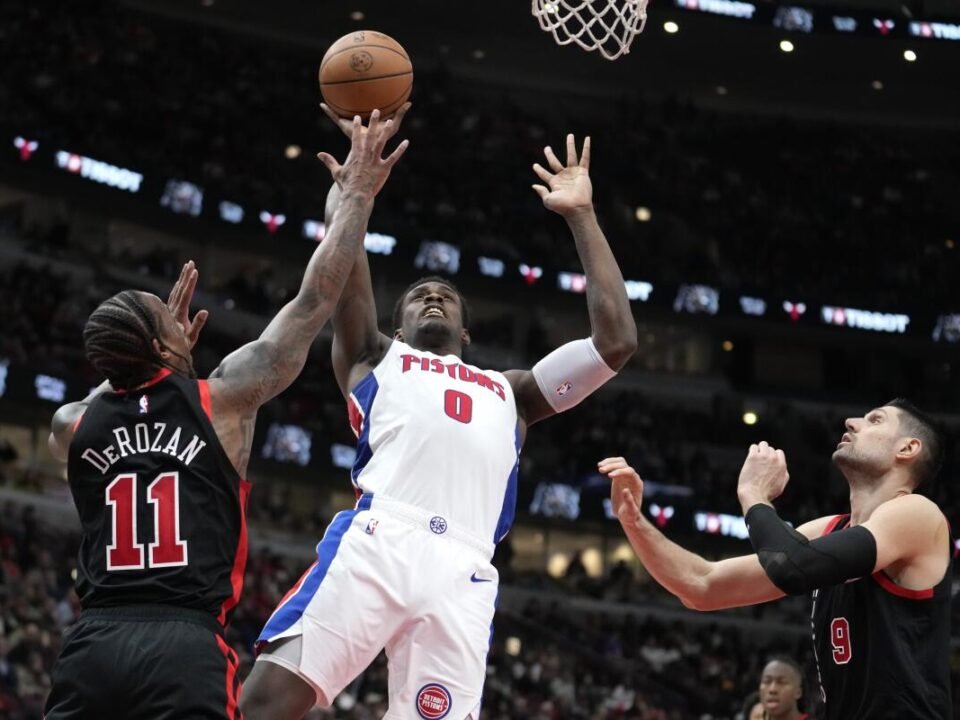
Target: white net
[[606, 26]]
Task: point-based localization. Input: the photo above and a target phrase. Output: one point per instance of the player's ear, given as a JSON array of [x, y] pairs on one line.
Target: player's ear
[[398, 334], [465, 336], [160, 349], [909, 448]]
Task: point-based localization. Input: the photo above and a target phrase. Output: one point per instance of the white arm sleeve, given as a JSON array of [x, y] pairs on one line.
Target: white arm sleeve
[[570, 373]]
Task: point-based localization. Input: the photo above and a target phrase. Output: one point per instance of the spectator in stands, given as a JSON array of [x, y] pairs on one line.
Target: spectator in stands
[[752, 708], [782, 689]]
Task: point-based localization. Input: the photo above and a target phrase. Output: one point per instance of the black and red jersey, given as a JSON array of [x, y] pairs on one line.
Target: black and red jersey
[[883, 652], [161, 506]]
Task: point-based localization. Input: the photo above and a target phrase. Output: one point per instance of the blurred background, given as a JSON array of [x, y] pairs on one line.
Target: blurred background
[[778, 182]]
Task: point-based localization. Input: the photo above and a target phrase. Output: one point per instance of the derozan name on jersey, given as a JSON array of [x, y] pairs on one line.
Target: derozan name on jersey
[[457, 371], [145, 439]]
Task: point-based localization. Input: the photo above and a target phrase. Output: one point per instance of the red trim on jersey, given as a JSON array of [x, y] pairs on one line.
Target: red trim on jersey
[[161, 374], [355, 413], [232, 712], [831, 526], [205, 401], [76, 423], [240, 559], [891, 587]]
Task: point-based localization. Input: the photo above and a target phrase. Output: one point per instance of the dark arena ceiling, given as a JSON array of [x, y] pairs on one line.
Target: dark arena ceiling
[[713, 60]]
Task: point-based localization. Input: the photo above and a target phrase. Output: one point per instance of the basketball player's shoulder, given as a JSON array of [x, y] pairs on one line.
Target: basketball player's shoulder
[[912, 508]]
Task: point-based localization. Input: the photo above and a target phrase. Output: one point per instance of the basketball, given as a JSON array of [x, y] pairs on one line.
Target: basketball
[[364, 71]]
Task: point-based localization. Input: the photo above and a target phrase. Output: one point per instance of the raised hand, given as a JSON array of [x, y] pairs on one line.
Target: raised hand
[[626, 489], [366, 170], [346, 124], [567, 189], [763, 477], [181, 295]]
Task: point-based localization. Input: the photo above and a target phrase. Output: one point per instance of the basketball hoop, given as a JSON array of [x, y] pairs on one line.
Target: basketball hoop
[[607, 26]]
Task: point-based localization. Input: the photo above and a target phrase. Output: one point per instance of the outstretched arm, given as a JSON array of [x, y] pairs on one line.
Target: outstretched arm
[[613, 339], [699, 583], [67, 417], [907, 536], [357, 341], [260, 370]]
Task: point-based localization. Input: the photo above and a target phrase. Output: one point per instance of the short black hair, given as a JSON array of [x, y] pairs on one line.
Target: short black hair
[[787, 660], [920, 425], [118, 340], [398, 306]]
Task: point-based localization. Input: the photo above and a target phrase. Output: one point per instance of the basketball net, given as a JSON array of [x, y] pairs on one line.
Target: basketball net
[[607, 26]]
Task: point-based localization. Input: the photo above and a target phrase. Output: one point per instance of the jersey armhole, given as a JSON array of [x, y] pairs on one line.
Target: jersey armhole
[[884, 581], [76, 423], [205, 402]]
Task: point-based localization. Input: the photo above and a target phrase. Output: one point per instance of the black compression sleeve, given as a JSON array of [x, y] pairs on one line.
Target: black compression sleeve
[[797, 565]]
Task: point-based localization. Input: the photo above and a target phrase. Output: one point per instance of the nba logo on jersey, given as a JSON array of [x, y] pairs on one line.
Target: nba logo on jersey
[[144, 405], [371, 527], [564, 389], [433, 701]]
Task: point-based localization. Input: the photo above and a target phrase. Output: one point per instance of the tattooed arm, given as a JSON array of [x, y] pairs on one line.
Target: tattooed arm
[[262, 369], [358, 344]]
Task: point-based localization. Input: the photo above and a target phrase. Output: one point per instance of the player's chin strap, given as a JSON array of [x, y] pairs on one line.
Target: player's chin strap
[[797, 565], [571, 373]]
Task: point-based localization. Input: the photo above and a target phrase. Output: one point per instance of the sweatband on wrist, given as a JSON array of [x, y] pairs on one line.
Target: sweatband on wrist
[[798, 565]]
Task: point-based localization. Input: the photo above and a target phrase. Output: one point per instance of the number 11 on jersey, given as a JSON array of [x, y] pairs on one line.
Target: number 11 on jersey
[[167, 548]]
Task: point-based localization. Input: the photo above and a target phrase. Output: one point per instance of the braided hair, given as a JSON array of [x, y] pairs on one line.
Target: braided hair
[[118, 339]]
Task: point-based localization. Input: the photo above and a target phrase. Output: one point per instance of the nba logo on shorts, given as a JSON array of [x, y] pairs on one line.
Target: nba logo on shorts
[[144, 405], [433, 701], [438, 525]]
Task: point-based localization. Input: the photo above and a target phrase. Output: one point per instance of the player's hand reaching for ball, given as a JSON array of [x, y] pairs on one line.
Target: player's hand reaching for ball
[[567, 189], [626, 489], [763, 477], [346, 124], [366, 170], [179, 303]]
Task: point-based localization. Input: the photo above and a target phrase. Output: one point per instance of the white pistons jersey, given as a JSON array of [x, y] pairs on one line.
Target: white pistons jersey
[[440, 435]]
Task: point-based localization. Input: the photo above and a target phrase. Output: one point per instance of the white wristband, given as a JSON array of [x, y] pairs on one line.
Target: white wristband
[[571, 373]]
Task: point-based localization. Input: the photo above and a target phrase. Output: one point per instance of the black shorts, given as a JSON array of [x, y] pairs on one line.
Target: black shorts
[[145, 663]]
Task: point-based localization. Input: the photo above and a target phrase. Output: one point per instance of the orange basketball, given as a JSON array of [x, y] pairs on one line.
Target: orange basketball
[[363, 71]]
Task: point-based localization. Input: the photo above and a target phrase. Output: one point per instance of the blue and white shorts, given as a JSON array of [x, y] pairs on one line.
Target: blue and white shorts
[[390, 575]]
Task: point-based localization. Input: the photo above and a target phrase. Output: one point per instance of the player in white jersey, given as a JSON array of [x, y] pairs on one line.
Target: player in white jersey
[[409, 568]]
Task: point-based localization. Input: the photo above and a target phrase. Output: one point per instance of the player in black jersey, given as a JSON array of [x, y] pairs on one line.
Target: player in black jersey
[[155, 462], [880, 575]]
